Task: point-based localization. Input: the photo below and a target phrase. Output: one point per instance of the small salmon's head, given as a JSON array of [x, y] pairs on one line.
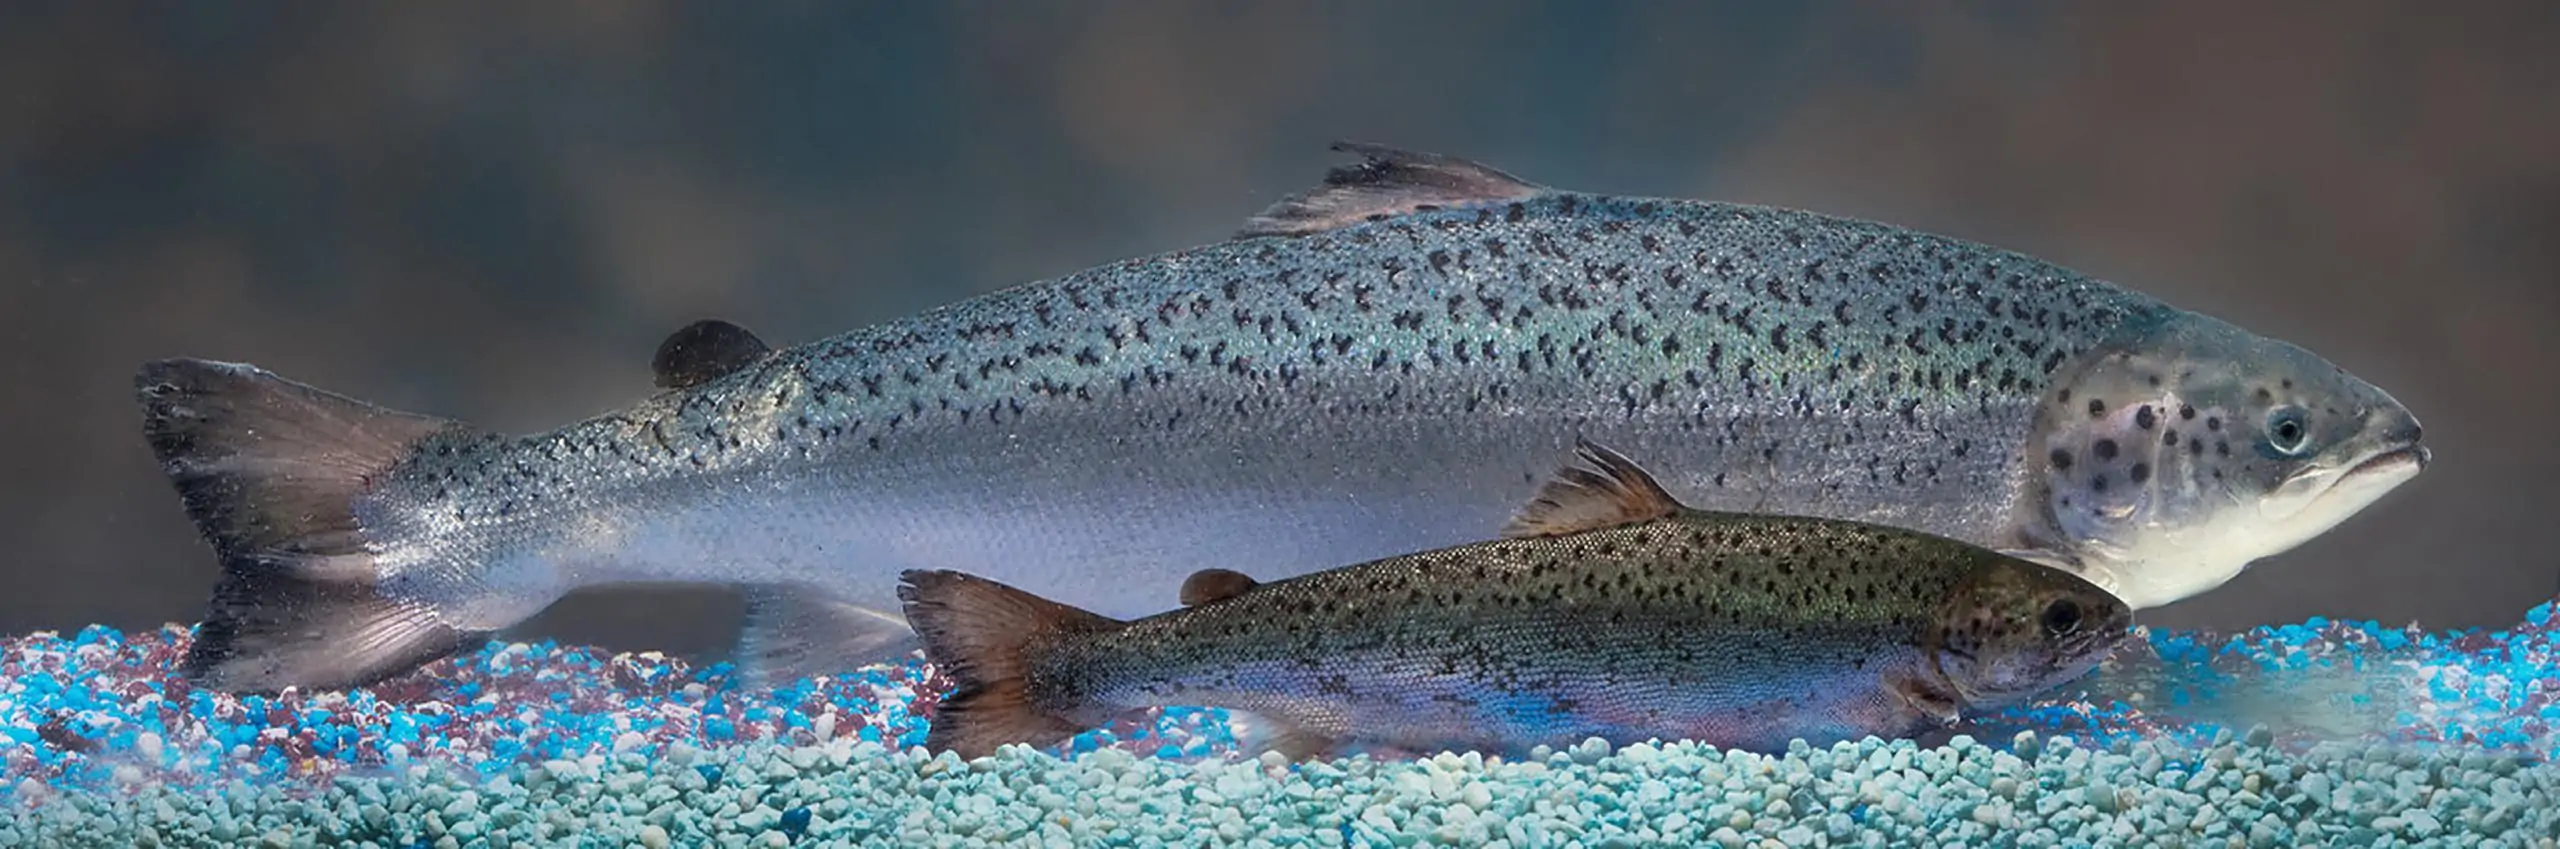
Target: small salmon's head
[[2170, 458], [2018, 629]]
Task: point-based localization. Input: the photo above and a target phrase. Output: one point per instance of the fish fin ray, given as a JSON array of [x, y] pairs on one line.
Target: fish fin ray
[[981, 634], [2094, 572], [2045, 556], [795, 631], [270, 470], [1387, 182], [704, 351], [1208, 585], [1935, 702], [1294, 739], [1613, 491]]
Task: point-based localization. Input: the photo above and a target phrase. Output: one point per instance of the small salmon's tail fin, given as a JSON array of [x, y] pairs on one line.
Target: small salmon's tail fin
[[270, 471], [982, 634]]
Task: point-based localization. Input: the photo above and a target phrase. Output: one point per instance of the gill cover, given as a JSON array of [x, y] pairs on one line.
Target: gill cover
[[2168, 459]]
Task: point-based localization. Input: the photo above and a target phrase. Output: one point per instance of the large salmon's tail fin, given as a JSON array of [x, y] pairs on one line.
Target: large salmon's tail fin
[[270, 471], [981, 634]]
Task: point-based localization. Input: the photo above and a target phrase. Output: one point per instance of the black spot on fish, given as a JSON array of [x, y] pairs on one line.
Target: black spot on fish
[[2143, 418], [2222, 447], [2141, 472], [2187, 411], [2097, 408], [2061, 460], [2104, 448], [2064, 396], [2169, 438], [2098, 484], [2213, 423], [2195, 447]]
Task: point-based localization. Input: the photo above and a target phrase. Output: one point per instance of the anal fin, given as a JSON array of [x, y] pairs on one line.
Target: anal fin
[[795, 631], [1295, 738]]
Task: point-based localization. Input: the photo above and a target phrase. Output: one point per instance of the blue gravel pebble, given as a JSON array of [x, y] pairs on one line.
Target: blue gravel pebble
[[2326, 733]]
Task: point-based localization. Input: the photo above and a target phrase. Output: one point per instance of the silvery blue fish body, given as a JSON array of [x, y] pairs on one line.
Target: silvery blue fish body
[[1388, 363]]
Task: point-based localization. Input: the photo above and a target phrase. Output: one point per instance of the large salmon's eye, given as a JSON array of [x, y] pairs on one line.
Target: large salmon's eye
[[2061, 617], [2286, 432]]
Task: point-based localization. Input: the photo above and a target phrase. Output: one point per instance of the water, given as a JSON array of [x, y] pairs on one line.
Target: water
[[497, 217]]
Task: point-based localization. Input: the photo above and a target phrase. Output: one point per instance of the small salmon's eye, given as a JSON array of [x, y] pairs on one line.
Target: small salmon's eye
[[2061, 617]]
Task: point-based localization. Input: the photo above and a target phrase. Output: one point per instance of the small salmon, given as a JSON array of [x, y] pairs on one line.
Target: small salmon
[[1607, 609]]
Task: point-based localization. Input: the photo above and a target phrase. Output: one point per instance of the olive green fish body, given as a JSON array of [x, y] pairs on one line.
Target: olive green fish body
[[1741, 630]]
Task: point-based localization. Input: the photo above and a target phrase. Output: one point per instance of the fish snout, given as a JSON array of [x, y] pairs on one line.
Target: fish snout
[[2401, 429], [2397, 436]]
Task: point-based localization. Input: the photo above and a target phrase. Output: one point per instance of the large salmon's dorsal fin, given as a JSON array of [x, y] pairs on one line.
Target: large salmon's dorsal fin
[[796, 631], [982, 635], [1208, 585], [704, 351], [1387, 182], [1614, 492], [271, 471]]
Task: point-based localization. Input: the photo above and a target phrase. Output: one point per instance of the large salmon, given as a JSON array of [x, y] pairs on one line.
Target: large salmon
[[1387, 363]]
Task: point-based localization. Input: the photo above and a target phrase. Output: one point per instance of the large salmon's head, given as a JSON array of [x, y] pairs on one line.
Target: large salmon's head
[[2168, 459], [2018, 629]]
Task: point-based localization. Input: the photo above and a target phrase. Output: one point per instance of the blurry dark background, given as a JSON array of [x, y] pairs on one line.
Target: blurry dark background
[[494, 211]]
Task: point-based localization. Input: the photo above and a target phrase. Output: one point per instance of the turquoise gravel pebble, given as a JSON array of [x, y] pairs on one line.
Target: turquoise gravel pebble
[[1871, 793]]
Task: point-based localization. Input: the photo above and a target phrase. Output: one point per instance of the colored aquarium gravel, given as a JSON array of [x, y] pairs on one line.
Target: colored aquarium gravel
[[2316, 734]]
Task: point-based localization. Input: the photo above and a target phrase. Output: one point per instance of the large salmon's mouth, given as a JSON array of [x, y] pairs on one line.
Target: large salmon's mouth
[[2404, 461]]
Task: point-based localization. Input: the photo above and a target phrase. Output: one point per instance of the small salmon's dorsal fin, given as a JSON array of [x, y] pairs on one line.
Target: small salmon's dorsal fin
[[1613, 492], [1387, 182], [704, 351], [1208, 585]]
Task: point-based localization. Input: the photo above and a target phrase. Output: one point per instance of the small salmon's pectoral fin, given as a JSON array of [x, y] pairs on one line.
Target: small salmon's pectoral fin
[[1208, 585], [1613, 491], [1926, 700], [794, 632]]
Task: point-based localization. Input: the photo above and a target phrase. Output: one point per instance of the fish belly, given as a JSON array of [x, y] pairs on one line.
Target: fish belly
[[1115, 525]]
